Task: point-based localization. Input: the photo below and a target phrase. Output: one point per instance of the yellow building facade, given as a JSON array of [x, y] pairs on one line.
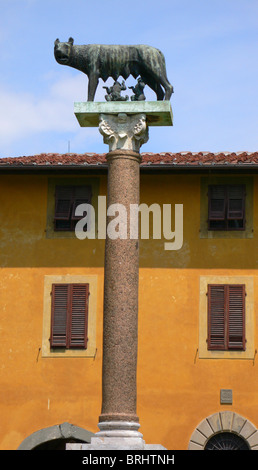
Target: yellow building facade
[[187, 392]]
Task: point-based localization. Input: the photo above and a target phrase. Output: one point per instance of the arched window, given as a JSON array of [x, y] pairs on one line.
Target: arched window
[[226, 441]]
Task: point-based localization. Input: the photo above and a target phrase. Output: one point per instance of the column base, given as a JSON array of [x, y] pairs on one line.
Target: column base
[[117, 435], [115, 444]]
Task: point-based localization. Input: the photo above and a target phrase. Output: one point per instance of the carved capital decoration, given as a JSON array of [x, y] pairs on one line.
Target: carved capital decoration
[[122, 131]]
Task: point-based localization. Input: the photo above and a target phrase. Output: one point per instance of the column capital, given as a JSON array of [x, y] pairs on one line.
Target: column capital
[[123, 131]]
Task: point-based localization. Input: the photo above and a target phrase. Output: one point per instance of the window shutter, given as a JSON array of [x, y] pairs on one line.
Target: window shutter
[[82, 195], [226, 317], [217, 202], [64, 199], [59, 317], [216, 316], [69, 316], [67, 198], [79, 315], [236, 202], [236, 316]]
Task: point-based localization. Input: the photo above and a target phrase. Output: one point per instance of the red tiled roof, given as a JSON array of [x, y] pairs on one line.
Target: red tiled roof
[[200, 158], [56, 159], [167, 158]]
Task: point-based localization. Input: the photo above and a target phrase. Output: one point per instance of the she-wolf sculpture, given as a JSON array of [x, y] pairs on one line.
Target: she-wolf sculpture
[[104, 61]]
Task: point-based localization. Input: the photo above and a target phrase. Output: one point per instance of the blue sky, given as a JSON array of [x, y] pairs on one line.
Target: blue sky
[[210, 47]]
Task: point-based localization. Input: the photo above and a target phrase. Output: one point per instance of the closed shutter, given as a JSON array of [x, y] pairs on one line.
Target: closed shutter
[[64, 200], [82, 195], [216, 317], [79, 315], [217, 202], [226, 317], [236, 202], [59, 317], [69, 316], [236, 316]]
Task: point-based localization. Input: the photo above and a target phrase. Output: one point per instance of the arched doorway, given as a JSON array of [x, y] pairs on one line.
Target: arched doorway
[[225, 430], [56, 437]]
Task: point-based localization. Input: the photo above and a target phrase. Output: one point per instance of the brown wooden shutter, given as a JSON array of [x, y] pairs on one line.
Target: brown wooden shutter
[[59, 317], [82, 195], [67, 198], [69, 316], [236, 202], [216, 317], [64, 200], [236, 316], [79, 315], [217, 202], [226, 316]]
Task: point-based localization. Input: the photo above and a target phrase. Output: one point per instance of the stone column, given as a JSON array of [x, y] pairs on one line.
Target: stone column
[[121, 296], [124, 128], [124, 134]]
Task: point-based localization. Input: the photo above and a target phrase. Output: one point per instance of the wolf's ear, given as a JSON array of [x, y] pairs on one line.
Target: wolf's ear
[[71, 40], [57, 42]]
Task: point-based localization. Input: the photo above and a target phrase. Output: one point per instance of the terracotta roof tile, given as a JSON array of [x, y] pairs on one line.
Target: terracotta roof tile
[[165, 158], [56, 159]]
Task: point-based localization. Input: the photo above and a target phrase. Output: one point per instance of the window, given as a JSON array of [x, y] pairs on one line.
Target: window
[[226, 207], [64, 194], [228, 212], [69, 316], [208, 305], [67, 198], [226, 441], [226, 317], [91, 310]]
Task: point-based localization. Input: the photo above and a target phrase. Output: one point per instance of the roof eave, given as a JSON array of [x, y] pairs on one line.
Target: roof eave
[[160, 167]]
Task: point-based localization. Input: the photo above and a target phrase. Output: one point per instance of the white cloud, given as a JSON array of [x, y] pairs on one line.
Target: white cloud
[[24, 114]]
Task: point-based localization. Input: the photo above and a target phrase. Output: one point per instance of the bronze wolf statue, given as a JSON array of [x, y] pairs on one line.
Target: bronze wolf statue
[[104, 61]]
